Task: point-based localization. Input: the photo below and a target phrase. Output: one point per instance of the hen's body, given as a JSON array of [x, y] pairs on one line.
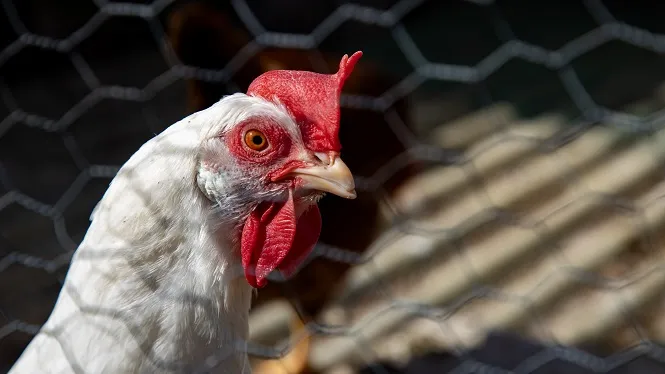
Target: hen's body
[[155, 285]]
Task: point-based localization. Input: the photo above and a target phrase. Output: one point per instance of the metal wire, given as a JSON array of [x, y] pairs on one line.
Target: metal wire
[[423, 70]]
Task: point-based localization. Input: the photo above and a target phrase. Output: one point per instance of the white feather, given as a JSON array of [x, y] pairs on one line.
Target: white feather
[[156, 284]]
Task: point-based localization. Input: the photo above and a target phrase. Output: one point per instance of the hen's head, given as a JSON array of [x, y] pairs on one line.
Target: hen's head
[[276, 154]]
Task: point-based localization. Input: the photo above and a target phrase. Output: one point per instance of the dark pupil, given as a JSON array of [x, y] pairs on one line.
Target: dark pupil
[[257, 140]]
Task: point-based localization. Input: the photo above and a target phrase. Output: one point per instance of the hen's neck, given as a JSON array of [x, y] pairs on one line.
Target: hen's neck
[[207, 298], [178, 278]]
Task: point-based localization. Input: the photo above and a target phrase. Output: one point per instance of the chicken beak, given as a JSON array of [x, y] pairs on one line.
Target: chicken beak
[[335, 178]]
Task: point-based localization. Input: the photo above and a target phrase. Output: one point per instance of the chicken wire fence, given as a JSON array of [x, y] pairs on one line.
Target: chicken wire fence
[[540, 218]]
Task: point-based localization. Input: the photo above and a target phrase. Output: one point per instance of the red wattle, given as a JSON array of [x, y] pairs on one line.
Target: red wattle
[[307, 234], [273, 238]]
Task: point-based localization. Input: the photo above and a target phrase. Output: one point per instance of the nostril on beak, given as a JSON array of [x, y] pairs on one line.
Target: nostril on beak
[[325, 158]]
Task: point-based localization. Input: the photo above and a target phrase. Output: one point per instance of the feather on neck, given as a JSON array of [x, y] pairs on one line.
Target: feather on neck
[[155, 275]]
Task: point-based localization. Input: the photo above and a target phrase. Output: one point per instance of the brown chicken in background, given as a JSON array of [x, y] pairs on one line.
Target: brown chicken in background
[[205, 37]]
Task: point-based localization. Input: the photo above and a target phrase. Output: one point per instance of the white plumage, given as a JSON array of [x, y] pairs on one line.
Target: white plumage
[[156, 285]]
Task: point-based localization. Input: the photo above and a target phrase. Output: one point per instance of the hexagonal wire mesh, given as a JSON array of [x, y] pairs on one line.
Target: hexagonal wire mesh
[[537, 213]]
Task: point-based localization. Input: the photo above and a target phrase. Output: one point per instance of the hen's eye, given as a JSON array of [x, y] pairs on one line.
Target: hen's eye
[[256, 140]]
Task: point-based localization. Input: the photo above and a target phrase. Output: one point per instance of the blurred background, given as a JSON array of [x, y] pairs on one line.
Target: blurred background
[[509, 157]]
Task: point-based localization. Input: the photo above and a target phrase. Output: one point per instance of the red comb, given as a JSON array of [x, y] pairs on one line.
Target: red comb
[[312, 99]]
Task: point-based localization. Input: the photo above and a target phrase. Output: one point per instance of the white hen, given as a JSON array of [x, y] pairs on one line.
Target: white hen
[[196, 218]]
